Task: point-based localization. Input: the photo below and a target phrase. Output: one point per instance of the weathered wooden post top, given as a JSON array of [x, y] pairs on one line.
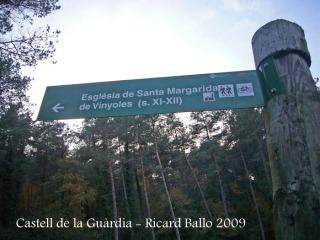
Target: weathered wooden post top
[[292, 122], [279, 38], [272, 42]]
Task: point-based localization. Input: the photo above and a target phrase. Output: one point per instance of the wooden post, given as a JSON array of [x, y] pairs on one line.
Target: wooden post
[[292, 121]]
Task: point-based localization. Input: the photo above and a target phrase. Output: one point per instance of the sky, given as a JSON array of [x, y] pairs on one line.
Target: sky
[[113, 40]]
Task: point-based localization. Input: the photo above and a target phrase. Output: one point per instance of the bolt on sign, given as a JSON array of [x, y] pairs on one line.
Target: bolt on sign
[[151, 96]]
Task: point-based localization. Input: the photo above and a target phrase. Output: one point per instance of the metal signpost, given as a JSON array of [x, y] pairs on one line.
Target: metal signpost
[[155, 95]]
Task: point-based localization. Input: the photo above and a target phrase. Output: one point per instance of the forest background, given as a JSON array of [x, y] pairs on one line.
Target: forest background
[[138, 167]]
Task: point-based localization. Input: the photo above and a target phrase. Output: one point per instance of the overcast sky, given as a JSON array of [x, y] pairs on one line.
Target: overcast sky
[[132, 39]]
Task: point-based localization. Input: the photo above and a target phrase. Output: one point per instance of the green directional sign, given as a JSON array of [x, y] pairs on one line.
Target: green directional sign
[[155, 95]]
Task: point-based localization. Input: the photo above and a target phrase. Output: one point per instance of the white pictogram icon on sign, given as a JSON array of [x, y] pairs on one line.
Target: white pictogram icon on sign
[[226, 91], [245, 89], [208, 97]]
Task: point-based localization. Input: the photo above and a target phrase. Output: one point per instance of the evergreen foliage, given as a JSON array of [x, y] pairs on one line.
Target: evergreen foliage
[[17, 41], [77, 184]]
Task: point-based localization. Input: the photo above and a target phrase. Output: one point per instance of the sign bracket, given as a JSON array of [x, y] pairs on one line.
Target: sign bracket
[[269, 79]]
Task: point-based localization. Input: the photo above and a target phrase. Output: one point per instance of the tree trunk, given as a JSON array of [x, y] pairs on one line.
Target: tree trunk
[[292, 123], [114, 200], [165, 183], [183, 151], [223, 194], [153, 235], [253, 195], [198, 185], [126, 199]]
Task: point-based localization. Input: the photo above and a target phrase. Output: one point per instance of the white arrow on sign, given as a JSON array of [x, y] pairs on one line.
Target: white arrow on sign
[[57, 107]]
